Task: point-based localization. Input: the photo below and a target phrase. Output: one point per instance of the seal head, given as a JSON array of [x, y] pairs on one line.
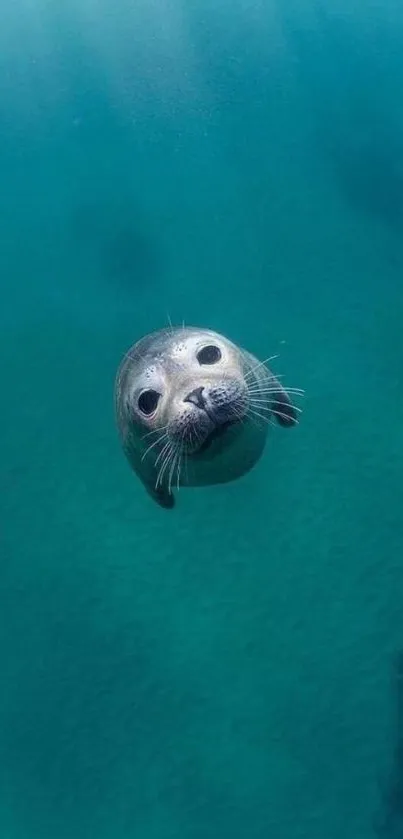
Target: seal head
[[185, 404]]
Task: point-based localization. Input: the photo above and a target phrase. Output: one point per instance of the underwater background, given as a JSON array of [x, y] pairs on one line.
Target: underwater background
[[233, 668]]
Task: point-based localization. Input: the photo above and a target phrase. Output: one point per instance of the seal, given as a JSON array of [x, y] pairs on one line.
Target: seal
[[193, 409]]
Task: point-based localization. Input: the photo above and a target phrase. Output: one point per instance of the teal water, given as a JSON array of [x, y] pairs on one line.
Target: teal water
[[232, 668]]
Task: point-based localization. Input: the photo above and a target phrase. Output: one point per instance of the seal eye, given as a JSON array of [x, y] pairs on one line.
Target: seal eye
[[148, 401], [209, 355]]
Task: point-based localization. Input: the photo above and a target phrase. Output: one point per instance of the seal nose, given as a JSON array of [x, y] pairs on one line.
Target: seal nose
[[196, 397]]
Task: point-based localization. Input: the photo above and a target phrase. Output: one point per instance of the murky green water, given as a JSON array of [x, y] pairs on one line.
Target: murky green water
[[230, 669]]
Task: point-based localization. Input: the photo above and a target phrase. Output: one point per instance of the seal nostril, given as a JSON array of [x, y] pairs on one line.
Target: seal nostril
[[196, 397]]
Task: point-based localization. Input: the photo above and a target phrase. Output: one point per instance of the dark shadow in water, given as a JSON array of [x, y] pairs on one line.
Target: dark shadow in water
[[372, 180], [355, 126], [389, 825], [114, 235]]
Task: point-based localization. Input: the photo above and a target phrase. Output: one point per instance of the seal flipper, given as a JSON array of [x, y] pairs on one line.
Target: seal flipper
[[148, 478], [161, 496], [282, 407]]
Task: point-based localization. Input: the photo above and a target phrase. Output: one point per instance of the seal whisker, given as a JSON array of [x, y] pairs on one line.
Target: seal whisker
[[163, 452], [253, 420], [186, 460], [295, 391], [242, 415], [285, 416], [154, 431], [165, 463], [270, 408], [167, 468], [184, 455], [272, 377], [172, 463], [178, 481], [155, 443], [180, 451], [267, 405], [172, 466], [239, 410], [259, 365], [259, 420], [266, 419], [169, 463], [172, 469], [127, 355], [268, 401]]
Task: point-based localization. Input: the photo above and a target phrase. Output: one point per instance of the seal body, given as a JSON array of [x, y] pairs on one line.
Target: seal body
[[193, 409]]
